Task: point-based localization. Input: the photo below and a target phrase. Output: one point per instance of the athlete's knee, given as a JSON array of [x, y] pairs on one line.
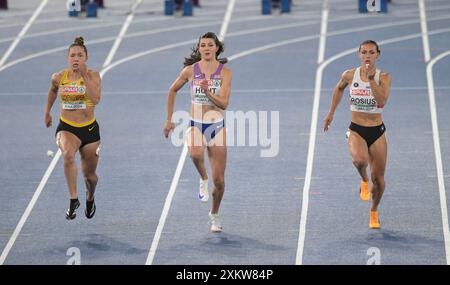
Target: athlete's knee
[[360, 163], [69, 156], [196, 156], [378, 181], [219, 183], [91, 178]]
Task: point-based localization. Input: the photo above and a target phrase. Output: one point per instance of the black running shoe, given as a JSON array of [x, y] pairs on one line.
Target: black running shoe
[[71, 212], [90, 209]]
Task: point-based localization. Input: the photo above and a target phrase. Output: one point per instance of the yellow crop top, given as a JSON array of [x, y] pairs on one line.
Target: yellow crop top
[[73, 93]]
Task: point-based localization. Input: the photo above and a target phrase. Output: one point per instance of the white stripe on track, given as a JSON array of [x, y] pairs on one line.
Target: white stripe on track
[[36, 195], [424, 28], [29, 208], [22, 32], [312, 138], [173, 186], [122, 33], [435, 126], [437, 153], [233, 34], [323, 33], [306, 188], [226, 20]]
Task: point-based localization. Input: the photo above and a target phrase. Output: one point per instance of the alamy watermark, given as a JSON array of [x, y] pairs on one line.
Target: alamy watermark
[[374, 254], [251, 128], [75, 256]]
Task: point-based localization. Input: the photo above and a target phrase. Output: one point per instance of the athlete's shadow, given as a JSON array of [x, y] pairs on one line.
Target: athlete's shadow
[[99, 246], [229, 241], [386, 235], [226, 245], [399, 239], [100, 242]]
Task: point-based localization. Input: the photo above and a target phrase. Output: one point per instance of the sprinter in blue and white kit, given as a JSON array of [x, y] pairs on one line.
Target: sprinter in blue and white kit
[[210, 86], [369, 92]]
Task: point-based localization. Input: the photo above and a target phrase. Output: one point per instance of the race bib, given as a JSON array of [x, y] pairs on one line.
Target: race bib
[[362, 101], [199, 96], [74, 105]]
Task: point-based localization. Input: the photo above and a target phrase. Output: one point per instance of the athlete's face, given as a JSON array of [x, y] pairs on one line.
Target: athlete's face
[[368, 54], [76, 56], [207, 48]]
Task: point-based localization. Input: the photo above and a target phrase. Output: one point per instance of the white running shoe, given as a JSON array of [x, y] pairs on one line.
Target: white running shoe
[[203, 194], [216, 226]]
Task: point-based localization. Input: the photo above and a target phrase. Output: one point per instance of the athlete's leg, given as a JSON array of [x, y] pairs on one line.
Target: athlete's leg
[[359, 153], [360, 157], [69, 144], [378, 158], [89, 162], [196, 148], [217, 153]]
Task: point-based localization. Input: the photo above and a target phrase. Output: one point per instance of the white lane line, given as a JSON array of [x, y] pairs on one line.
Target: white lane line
[[336, 33], [317, 92], [260, 30], [140, 54], [29, 208], [103, 40], [173, 186], [424, 28], [166, 208], [435, 126], [437, 153], [22, 32], [312, 141], [36, 195], [122, 33], [226, 20], [323, 32], [299, 257]]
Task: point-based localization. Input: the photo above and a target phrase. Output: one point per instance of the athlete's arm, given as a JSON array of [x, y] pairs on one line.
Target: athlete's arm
[[338, 91], [381, 92], [51, 97], [220, 100], [182, 79]]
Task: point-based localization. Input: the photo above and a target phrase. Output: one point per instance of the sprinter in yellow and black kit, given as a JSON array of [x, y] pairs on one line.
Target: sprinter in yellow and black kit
[[79, 90]]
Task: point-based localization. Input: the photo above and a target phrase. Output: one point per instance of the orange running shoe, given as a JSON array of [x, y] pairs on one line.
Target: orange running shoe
[[364, 191], [374, 221]]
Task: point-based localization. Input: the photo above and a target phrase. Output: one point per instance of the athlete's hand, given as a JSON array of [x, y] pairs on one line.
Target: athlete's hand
[[168, 126], [370, 70], [48, 120], [327, 121], [82, 68], [204, 85]]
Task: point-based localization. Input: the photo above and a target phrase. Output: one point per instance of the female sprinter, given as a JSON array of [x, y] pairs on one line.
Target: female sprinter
[[210, 83], [369, 92], [79, 90]]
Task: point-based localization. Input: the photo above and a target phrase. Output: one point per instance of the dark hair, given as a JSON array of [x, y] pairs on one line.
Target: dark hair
[[370, 42], [79, 42], [195, 55]]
